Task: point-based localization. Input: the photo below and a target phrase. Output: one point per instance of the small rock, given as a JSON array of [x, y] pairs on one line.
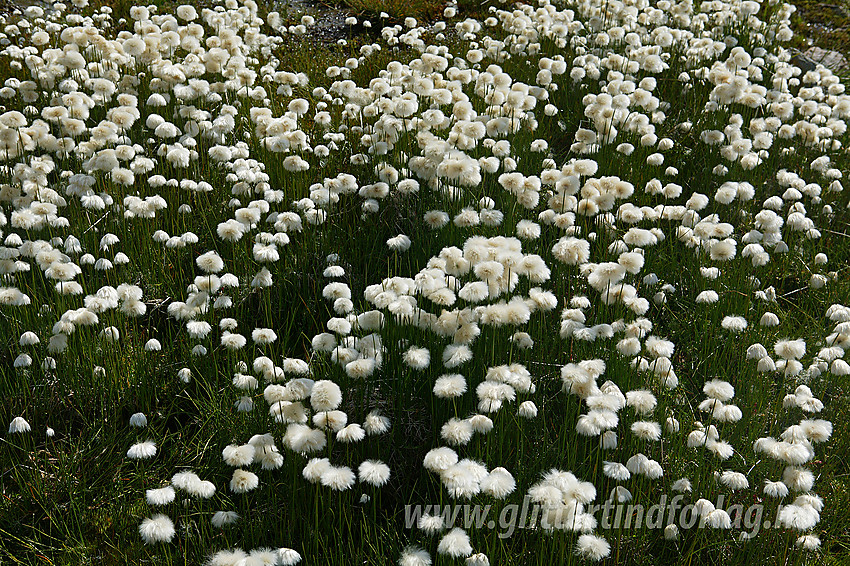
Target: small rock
[[803, 62], [832, 60]]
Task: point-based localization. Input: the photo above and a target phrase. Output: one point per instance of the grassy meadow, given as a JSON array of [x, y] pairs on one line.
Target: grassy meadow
[[265, 297]]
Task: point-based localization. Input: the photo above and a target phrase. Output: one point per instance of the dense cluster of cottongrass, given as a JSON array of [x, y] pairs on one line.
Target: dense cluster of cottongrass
[[534, 255]]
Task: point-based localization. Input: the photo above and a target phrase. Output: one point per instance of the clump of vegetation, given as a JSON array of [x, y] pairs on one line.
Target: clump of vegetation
[[823, 24]]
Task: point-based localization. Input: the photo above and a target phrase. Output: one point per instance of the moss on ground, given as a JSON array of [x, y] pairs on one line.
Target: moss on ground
[[824, 24]]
